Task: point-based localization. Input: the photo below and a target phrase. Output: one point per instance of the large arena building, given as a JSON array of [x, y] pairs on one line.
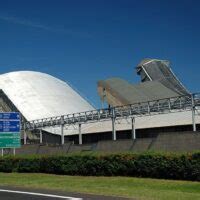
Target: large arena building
[[40, 98], [157, 82], [37, 96]]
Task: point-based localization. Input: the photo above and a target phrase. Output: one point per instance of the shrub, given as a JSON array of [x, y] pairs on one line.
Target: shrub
[[153, 165]]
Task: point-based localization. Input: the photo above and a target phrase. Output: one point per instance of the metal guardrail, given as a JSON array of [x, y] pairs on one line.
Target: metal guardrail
[[174, 104]]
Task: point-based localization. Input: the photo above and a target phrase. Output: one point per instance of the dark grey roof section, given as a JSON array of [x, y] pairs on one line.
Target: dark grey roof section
[[130, 94], [157, 82], [159, 70]]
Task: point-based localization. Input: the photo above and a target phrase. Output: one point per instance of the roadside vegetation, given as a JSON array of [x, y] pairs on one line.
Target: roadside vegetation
[[136, 188], [149, 165]]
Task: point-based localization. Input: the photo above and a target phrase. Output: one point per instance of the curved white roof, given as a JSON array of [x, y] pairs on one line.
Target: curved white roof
[[38, 95]]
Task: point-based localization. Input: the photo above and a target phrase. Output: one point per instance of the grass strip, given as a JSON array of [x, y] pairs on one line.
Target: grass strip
[[139, 188]]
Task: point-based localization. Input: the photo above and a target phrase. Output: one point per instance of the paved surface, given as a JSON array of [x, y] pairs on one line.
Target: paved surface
[[14, 193], [12, 196]]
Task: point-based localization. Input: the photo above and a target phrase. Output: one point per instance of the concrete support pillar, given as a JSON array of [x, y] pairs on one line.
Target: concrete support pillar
[[80, 134], [169, 104], [24, 131], [114, 136], [193, 114], [133, 132], [62, 130], [25, 137], [102, 103], [40, 136], [148, 108]]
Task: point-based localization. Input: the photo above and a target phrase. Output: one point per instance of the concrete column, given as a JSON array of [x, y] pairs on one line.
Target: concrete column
[[25, 136], [62, 130], [80, 134], [133, 132], [114, 136], [193, 114], [25, 133], [169, 104], [148, 108], [40, 136]]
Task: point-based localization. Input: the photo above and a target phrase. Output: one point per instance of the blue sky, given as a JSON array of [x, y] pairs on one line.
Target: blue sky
[[82, 41]]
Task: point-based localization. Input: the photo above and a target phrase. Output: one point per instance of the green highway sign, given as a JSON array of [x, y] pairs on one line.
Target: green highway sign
[[10, 130], [10, 140]]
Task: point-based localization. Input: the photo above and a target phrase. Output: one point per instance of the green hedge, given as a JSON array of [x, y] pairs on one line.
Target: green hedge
[[163, 165]]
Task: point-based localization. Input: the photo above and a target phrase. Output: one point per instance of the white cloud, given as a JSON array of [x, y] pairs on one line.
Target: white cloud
[[32, 24]]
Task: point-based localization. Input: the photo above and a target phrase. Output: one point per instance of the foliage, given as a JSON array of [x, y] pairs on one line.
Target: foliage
[[153, 165]]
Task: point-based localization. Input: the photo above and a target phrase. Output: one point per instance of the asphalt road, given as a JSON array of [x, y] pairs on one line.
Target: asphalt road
[[15, 193], [13, 196]]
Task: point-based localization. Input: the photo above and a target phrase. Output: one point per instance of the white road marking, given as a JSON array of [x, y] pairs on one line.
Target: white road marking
[[40, 194]]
